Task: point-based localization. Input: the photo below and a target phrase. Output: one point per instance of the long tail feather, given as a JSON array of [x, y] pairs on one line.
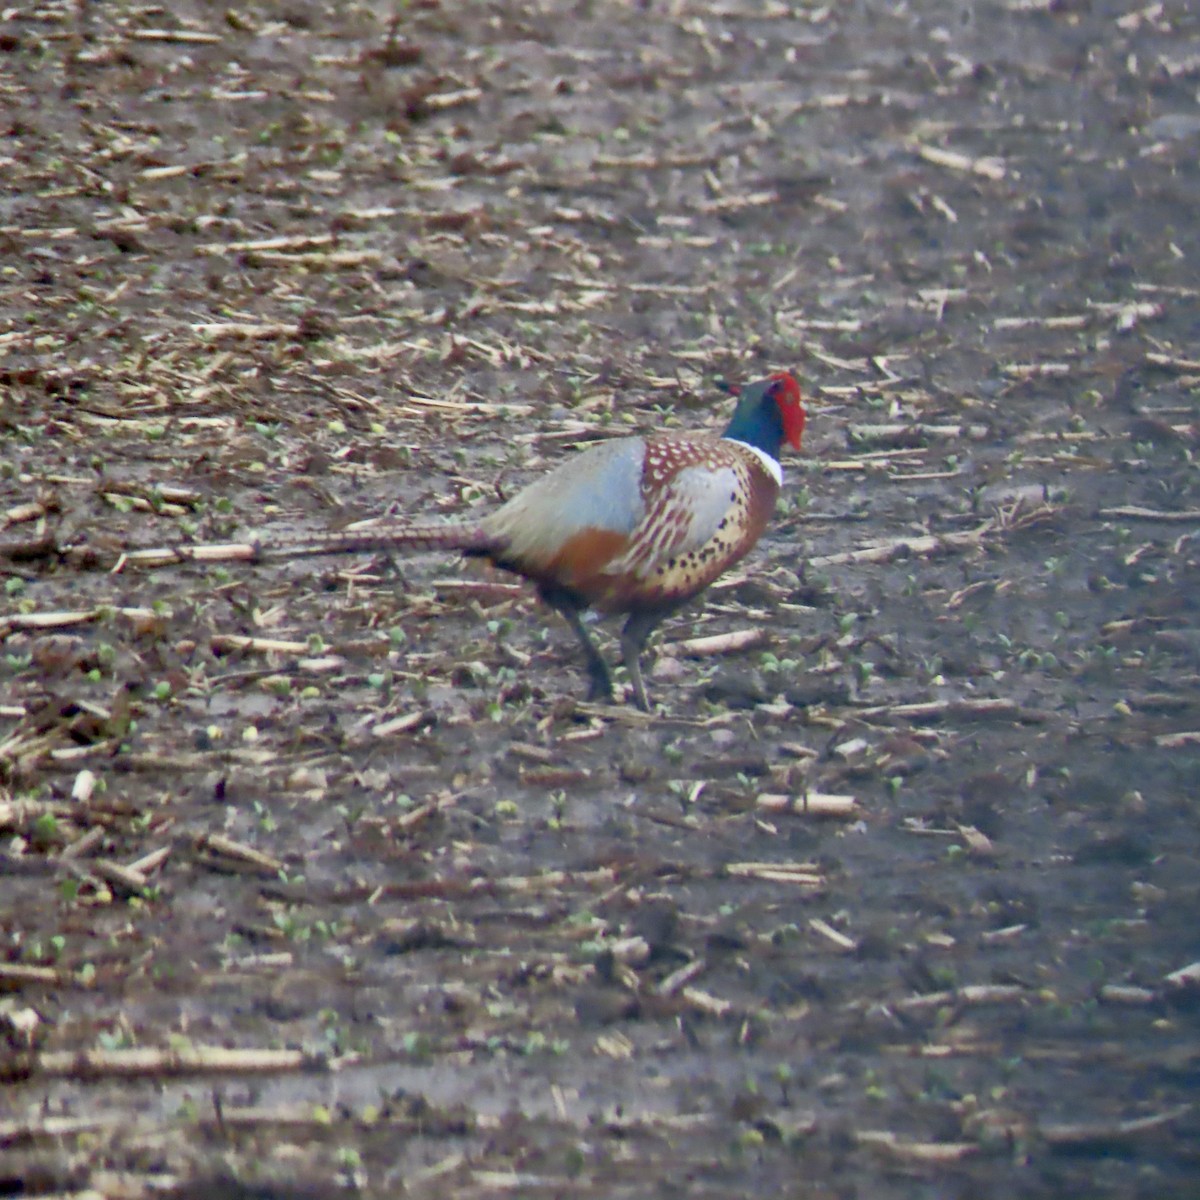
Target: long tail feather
[[467, 536]]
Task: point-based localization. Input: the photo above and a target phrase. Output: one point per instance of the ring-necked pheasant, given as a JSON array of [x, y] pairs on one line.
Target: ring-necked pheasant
[[634, 526]]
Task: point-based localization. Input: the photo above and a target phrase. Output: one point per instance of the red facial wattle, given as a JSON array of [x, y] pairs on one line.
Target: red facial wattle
[[786, 393]]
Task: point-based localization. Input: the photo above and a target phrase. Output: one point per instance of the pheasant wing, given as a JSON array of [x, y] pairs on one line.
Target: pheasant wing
[[683, 526]]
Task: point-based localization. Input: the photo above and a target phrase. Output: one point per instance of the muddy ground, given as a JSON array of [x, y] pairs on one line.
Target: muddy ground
[[317, 876]]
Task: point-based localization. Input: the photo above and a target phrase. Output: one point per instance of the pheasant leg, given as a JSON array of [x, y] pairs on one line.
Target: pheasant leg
[[633, 641], [599, 679]]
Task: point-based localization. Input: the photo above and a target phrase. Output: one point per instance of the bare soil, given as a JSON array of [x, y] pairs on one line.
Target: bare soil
[[317, 876]]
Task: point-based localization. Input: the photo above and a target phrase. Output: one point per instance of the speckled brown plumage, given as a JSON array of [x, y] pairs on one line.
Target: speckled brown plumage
[[660, 565], [636, 526]]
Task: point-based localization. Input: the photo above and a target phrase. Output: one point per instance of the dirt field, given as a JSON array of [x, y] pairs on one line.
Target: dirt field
[[318, 876]]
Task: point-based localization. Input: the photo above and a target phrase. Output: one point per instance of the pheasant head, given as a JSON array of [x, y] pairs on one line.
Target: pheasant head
[[769, 412]]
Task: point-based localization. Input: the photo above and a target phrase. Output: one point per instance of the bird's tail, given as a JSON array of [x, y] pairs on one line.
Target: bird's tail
[[468, 537]]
